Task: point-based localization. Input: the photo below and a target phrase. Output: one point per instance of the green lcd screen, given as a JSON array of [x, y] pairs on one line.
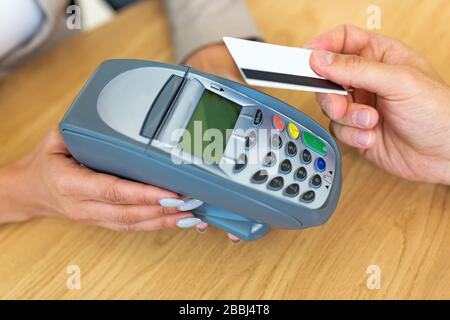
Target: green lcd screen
[[210, 127]]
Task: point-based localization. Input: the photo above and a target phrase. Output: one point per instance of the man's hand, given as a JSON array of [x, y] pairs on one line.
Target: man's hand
[[399, 113]]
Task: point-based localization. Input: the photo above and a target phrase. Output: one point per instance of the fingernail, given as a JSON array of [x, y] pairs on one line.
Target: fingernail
[[363, 138], [188, 222], [202, 227], [233, 238], [322, 57], [190, 205], [361, 117], [168, 202]]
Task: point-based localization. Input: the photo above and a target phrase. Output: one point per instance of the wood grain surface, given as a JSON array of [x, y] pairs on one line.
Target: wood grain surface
[[400, 226]]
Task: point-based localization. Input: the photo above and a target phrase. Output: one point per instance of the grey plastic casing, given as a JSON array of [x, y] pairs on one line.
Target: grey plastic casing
[[102, 130]]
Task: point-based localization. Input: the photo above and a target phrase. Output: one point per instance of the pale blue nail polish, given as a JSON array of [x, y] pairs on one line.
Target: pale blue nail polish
[[171, 202], [190, 205], [188, 222]]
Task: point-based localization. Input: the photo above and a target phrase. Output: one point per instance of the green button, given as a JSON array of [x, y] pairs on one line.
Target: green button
[[314, 143]]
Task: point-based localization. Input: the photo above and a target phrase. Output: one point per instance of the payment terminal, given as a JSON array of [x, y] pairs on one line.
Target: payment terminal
[[256, 162]]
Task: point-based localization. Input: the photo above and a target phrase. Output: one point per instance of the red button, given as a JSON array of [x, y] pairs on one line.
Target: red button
[[278, 122]]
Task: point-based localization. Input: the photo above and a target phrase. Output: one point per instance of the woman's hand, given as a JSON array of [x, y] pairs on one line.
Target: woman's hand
[[399, 113], [49, 182]]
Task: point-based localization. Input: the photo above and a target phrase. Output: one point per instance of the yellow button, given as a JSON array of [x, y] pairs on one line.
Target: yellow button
[[293, 131]]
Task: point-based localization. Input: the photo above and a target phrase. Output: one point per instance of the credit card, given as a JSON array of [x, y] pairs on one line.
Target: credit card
[[269, 65]]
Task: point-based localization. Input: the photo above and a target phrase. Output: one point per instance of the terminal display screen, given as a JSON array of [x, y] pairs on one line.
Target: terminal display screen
[[210, 127]]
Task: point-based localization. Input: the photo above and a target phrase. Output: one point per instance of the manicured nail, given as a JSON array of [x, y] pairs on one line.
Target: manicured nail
[[190, 205], [202, 227], [361, 117], [167, 202], [363, 138], [322, 57], [188, 222], [233, 238]]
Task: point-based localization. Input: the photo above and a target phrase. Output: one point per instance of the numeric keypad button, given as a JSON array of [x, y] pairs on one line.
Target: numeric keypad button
[[285, 166], [270, 159], [276, 183], [306, 156], [250, 139], [260, 176], [241, 163], [291, 149], [301, 174], [316, 181], [308, 196], [277, 142], [292, 190]]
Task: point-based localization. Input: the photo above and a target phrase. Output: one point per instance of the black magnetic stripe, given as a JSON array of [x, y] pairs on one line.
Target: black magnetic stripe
[[291, 79]]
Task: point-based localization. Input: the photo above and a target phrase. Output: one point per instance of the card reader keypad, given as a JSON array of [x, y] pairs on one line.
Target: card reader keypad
[[293, 163]]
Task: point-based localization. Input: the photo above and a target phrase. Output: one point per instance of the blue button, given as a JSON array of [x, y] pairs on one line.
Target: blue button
[[320, 164]]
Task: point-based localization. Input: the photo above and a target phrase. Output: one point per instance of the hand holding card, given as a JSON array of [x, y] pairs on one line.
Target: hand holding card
[[269, 65]]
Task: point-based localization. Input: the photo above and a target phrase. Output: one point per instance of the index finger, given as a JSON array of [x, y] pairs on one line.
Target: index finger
[[116, 190], [90, 185], [343, 39]]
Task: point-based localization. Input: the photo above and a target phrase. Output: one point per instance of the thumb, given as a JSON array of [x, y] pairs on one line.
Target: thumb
[[356, 71], [54, 142]]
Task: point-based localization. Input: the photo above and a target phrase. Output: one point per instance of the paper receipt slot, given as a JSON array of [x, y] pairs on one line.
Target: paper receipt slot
[[253, 160]]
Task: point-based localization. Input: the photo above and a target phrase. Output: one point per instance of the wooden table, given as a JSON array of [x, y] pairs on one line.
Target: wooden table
[[400, 226]]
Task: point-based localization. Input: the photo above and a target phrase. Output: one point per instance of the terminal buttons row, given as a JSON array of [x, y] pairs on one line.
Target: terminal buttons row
[[277, 184], [310, 140], [292, 190]]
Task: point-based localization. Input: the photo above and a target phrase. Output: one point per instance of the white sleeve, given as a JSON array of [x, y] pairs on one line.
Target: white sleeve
[[19, 20]]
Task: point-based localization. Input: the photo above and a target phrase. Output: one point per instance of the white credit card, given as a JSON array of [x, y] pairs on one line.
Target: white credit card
[[270, 65]]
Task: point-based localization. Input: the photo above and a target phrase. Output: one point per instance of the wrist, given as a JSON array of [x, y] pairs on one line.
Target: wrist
[[13, 201]]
